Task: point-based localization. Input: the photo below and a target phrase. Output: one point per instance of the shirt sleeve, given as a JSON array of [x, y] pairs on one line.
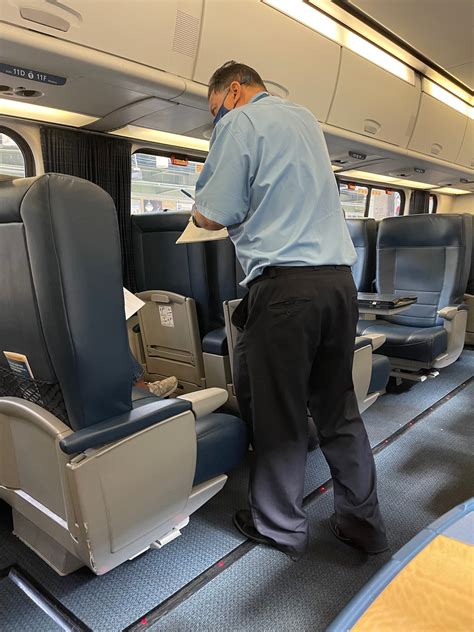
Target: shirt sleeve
[[223, 188]]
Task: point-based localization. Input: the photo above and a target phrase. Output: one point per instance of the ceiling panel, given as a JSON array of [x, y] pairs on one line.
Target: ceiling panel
[[441, 30]]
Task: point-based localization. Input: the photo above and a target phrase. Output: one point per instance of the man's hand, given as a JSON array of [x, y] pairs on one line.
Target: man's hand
[[203, 222]]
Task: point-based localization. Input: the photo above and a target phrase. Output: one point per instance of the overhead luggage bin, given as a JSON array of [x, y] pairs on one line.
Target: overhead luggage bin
[[439, 130], [160, 35], [273, 45], [466, 153], [373, 102]]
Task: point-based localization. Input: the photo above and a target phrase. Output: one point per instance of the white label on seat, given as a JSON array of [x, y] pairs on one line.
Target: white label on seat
[[166, 315]]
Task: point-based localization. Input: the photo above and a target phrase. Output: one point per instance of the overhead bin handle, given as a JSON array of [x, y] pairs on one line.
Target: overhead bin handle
[[371, 126], [436, 148]]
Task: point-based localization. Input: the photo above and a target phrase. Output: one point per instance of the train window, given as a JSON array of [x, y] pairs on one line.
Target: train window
[[353, 199], [16, 158], [384, 203], [158, 182], [432, 203]]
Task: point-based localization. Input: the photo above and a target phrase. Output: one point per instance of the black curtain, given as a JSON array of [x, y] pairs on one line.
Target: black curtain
[[104, 161], [419, 202]]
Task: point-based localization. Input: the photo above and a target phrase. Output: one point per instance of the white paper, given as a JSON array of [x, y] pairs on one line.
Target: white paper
[[192, 234], [132, 303], [166, 315]]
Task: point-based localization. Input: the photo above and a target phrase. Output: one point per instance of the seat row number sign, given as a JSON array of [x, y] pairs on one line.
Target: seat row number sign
[[32, 75]]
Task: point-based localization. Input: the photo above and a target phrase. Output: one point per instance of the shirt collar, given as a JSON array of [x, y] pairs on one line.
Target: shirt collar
[[259, 96]]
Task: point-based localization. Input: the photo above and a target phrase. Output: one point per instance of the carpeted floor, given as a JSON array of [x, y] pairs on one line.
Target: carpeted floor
[[421, 476], [113, 601]]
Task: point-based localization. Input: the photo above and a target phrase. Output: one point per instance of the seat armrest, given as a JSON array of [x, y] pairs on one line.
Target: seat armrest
[[123, 425], [377, 340], [450, 311], [206, 401], [215, 342], [362, 341]]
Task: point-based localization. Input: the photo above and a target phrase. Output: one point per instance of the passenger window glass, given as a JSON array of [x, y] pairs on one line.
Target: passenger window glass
[[157, 184], [353, 199], [12, 161], [384, 203]]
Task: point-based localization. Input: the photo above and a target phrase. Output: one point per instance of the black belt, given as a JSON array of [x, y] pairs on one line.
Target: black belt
[[274, 271]]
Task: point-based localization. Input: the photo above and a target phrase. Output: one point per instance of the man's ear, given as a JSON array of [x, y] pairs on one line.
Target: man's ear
[[235, 89]]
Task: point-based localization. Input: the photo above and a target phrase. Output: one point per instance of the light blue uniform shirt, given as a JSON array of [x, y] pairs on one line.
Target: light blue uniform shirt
[[268, 178]]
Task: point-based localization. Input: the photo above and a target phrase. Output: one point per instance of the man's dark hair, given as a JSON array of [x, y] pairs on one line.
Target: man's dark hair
[[233, 71]]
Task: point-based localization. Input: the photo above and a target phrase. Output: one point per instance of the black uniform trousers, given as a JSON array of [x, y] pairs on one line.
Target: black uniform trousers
[[295, 350]]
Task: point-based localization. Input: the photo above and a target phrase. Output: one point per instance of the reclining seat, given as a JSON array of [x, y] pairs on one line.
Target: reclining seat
[[363, 233], [173, 281], [425, 256], [469, 300], [95, 474]]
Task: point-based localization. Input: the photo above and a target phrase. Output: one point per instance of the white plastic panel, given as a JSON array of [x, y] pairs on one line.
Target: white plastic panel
[[466, 153], [177, 119], [439, 129], [373, 102], [160, 33], [282, 51]]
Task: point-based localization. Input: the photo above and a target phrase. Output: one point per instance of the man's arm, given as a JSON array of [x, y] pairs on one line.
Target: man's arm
[[222, 196], [203, 222]]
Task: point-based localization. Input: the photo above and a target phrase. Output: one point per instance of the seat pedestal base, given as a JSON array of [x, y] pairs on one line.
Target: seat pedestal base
[[55, 555]]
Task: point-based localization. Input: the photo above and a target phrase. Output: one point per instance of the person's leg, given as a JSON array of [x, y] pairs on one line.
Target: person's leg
[[161, 388], [342, 435], [280, 342]]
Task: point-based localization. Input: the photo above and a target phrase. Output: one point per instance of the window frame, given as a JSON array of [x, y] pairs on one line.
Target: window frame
[[30, 166], [370, 188]]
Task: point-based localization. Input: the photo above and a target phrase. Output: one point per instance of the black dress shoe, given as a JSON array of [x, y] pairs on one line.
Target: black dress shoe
[[335, 530], [244, 523]]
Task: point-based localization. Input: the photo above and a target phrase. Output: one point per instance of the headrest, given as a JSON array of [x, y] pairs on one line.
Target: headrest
[[12, 192], [362, 231], [424, 230]]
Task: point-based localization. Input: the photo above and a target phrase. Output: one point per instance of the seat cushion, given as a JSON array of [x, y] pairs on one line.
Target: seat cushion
[[380, 373], [221, 445], [421, 344]]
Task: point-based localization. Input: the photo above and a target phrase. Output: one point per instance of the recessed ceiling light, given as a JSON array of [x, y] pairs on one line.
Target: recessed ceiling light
[[21, 109]]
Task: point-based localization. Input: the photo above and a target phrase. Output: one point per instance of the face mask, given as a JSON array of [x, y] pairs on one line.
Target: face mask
[[222, 111]]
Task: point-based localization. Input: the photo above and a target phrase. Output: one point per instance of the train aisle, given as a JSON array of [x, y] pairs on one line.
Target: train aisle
[[211, 579]]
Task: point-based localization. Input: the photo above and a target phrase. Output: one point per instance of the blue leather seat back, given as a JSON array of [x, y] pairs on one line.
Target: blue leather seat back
[[427, 256], [363, 233], [225, 274], [161, 264], [61, 298]]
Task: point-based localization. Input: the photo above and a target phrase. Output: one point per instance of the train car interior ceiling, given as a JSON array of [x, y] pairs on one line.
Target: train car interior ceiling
[[116, 506]]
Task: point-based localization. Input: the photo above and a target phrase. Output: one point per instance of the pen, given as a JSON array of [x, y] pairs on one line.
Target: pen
[[187, 194]]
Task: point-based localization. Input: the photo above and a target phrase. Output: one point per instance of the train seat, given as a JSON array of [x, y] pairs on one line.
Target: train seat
[[96, 472], [469, 300], [173, 281], [427, 256], [363, 233]]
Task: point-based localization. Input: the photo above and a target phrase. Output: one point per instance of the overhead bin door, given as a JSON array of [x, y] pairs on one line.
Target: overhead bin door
[[439, 129], [466, 154], [301, 63], [373, 102], [159, 33]]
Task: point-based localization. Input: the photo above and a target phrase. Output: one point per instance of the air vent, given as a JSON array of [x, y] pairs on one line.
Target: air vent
[[186, 34]]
